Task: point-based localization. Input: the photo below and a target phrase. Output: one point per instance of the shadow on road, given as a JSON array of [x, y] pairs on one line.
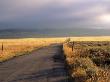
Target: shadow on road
[[56, 73]]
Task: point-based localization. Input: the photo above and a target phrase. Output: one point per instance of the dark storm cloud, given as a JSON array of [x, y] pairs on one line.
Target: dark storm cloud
[[54, 13]]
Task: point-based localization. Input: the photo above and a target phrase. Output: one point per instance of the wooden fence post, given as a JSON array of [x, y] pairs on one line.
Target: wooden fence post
[[2, 47], [72, 45]]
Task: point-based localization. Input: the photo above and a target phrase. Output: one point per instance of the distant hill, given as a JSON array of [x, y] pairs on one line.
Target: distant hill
[[33, 33]]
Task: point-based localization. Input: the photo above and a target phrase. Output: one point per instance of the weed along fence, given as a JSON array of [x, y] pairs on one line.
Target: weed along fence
[[88, 61]]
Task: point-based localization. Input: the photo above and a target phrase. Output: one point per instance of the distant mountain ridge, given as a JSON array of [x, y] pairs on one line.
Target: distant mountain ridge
[[47, 32]]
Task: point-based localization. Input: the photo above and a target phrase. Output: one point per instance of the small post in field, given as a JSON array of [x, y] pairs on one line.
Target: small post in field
[[2, 47], [72, 45]]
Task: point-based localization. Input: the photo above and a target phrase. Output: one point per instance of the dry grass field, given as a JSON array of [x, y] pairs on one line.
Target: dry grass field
[[91, 38], [16, 47], [88, 59], [10, 48]]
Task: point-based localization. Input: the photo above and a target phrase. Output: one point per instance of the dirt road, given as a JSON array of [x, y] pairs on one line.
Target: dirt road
[[43, 65]]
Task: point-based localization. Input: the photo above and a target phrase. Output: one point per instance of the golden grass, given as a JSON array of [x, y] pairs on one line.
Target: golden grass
[[16, 47], [91, 38], [81, 66]]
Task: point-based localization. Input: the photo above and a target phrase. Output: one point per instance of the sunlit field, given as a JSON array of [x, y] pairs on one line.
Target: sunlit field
[[10, 48], [88, 58], [92, 38]]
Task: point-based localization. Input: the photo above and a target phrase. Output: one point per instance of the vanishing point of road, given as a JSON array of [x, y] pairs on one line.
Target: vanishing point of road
[[43, 65]]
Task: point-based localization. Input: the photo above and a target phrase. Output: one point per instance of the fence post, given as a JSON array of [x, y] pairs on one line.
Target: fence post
[[72, 45], [2, 47], [72, 48]]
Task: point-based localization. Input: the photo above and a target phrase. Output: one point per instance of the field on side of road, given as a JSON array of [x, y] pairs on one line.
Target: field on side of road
[[88, 60], [10, 48], [91, 38]]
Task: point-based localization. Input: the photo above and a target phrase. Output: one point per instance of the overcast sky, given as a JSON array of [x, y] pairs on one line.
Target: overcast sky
[[55, 14]]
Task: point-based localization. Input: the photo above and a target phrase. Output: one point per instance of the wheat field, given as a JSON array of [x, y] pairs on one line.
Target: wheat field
[[10, 48], [91, 38], [16, 47]]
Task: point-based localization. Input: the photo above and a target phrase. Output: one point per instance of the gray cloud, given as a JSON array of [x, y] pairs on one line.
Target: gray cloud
[[54, 13]]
